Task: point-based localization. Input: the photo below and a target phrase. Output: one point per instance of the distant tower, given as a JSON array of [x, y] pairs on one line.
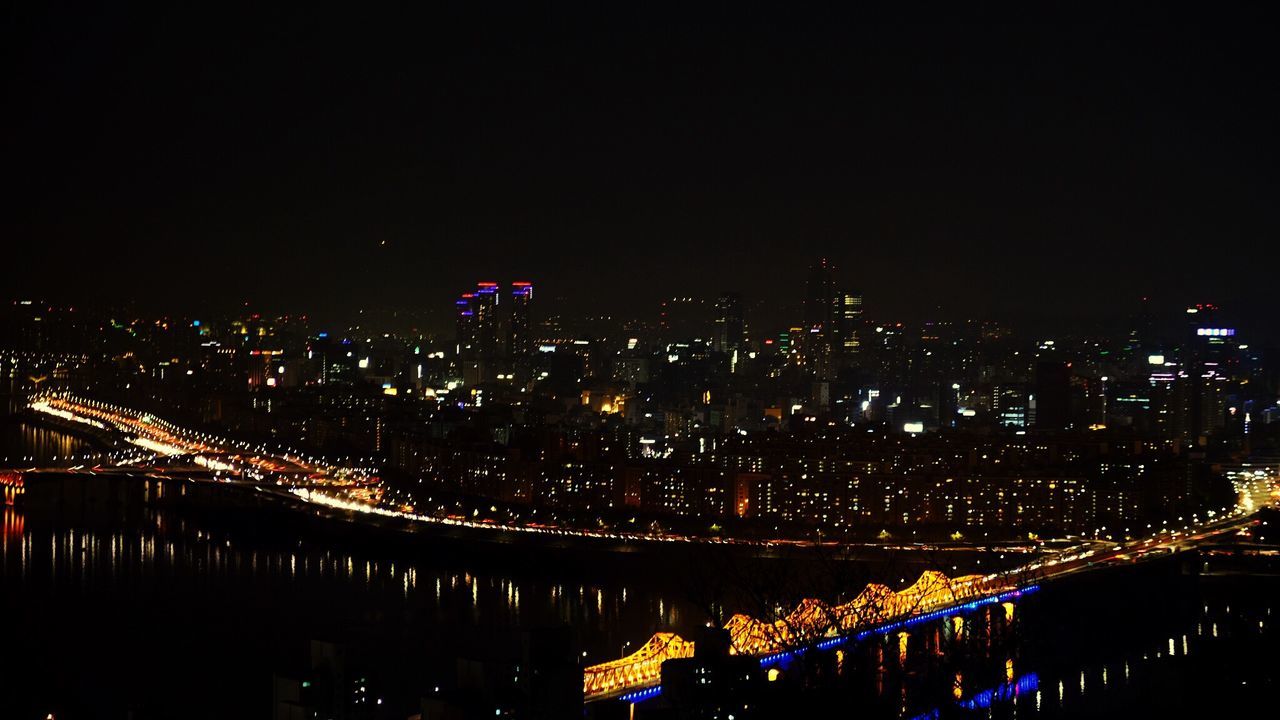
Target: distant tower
[[1208, 355], [730, 327], [494, 331], [466, 335], [521, 298], [819, 339], [1053, 394], [490, 324], [819, 303], [848, 320]]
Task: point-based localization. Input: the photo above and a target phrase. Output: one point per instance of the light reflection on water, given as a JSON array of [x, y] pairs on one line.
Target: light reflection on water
[[1093, 668], [1175, 660], [24, 445], [73, 597], [169, 555]]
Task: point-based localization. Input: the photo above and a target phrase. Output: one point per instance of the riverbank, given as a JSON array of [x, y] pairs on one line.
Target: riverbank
[[97, 498]]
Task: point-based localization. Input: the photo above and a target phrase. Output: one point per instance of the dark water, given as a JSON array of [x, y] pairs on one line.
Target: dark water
[[1209, 649], [1181, 648], [173, 619], [176, 616], [147, 619], [27, 445], [1124, 647]]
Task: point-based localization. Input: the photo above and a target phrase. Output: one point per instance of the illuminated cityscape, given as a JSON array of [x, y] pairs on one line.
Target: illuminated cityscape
[[865, 375]]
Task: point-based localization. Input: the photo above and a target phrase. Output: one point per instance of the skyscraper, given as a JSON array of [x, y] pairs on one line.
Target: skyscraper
[[819, 303], [1209, 359], [1053, 394], [493, 333], [520, 323], [466, 332], [832, 320], [489, 322], [848, 320], [729, 324]]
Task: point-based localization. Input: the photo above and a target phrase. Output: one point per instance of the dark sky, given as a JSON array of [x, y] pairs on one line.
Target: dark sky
[[1035, 167]]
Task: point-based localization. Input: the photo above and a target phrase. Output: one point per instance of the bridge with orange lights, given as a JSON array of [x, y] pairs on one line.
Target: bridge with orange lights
[[812, 622], [12, 486], [878, 609]]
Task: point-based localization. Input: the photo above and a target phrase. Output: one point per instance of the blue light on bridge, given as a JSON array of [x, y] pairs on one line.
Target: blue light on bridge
[[970, 606], [641, 695], [985, 699]]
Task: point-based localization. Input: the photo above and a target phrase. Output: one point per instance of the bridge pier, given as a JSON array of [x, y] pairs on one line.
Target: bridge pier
[[14, 486]]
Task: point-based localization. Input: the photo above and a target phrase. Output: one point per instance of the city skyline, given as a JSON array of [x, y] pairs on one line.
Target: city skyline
[[762, 317], [1001, 171], [721, 361]]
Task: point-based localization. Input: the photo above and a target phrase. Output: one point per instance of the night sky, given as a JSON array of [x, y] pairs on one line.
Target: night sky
[[323, 160]]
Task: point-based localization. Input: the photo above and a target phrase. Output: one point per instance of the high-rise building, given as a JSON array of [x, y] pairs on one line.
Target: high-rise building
[[1053, 394], [820, 294], [489, 321], [1210, 359], [1010, 404], [684, 319], [519, 321], [494, 332], [729, 325], [832, 321], [335, 361], [848, 320], [1142, 342], [466, 334]]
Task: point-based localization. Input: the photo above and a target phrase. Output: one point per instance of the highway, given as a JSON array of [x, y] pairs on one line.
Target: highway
[[356, 489], [164, 448], [1253, 494]]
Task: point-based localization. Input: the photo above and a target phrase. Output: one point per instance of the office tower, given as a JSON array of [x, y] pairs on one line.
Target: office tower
[[466, 333], [1053, 394], [819, 304], [729, 324], [489, 321], [1142, 342], [494, 333], [685, 319], [1010, 404], [519, 322], [815, 343], [1210, 359], [335, 361], [848, 320]]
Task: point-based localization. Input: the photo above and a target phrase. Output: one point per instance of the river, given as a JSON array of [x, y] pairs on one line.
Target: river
[[175, 615]]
